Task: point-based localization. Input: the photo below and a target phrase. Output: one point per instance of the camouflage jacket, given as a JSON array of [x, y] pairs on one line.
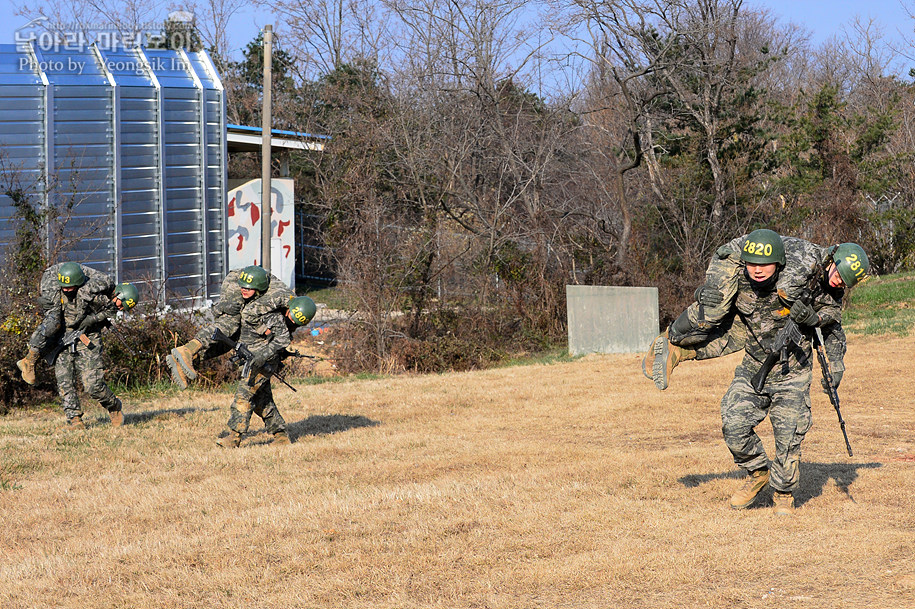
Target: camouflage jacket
[[232, 303], [50, 295], [88, 314], [266, 333], [764, 314]]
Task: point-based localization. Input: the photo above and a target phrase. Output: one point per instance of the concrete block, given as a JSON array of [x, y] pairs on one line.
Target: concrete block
[[609, 319]]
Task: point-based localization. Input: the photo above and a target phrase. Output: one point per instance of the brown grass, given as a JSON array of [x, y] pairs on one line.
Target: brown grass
[[568, 485]]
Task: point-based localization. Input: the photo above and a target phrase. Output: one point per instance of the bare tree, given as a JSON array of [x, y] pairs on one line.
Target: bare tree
[[213, 22], [325, 34]]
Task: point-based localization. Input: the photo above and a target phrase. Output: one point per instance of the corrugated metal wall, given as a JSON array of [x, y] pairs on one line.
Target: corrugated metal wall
[[129, 146]]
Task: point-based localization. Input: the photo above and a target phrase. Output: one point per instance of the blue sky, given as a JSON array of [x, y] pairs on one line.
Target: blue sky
[[823, 18]]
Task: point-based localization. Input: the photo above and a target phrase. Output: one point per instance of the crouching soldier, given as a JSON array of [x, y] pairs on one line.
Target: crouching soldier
[[82, 359], [72, 279], [226, 317], [266, 334]]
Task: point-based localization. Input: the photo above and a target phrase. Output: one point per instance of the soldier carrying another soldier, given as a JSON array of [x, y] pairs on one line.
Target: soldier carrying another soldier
[[266, 332], [85, 300], [762, 309], [226, 317]]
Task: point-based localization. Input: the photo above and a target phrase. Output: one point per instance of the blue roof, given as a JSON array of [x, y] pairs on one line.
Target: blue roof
[[279, 132]]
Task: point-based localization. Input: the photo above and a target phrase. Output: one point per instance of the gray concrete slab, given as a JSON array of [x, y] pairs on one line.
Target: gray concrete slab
[[611, 319]]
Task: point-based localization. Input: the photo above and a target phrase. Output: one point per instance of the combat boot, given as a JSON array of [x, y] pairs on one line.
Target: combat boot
[[666, 357], [784, 503], [280, 438], [178, 376], [27, 366], [233, 440], [184, 356], [76, 423], [756, 482], [116, 413]]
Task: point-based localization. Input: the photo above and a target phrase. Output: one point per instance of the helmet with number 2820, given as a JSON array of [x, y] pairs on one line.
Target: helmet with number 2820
[[763, 246]]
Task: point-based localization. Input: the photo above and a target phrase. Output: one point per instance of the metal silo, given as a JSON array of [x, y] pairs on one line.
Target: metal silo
[[130, 145]]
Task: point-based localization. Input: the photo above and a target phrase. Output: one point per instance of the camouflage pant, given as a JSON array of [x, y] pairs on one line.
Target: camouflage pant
[[87, 364], [256, 398], [50, 324], [787, 404]]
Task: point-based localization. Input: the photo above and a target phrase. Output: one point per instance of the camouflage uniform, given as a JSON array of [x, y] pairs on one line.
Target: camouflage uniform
[[84, 362], [265, 334], [718, 331], [50, 298], [785, 397], [227, 312]]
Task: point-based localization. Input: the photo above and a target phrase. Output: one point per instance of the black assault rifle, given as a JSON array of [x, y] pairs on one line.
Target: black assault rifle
[[67, 341], [244, 357], [830, 387], [787, 338]]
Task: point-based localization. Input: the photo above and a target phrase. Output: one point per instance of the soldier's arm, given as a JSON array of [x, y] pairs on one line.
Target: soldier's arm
[[274, 333], [828, 309], [97, 310], [279, 331]]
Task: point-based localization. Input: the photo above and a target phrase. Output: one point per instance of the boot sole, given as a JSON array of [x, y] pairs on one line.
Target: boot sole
[[645, 366], [189, 372], [176, 376], [659, 369]]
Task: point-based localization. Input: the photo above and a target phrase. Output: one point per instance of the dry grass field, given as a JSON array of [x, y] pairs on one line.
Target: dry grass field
[[566, 485]]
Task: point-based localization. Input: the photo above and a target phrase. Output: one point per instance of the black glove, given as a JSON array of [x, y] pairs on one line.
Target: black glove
[[91, 320], [708, 296], [836, 379], [258, 362], [803, 314]]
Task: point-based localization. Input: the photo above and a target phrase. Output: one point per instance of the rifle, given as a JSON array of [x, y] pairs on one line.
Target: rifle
[[789, 336], [830, 388], [243, 357], [67, 341]]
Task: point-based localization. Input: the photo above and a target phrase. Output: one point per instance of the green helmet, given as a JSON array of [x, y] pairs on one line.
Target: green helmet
[[70, 275], [763, 246], [127, 294], [851, 262], [254, 278], [302, 310]]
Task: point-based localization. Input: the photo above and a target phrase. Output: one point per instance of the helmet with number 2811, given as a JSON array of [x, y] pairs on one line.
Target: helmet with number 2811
[[851, 262]]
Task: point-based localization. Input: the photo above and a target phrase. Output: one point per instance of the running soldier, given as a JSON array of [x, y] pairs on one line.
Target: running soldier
[[266, 333], [785, 393], [226, 317], [82, 360], [59, 279]]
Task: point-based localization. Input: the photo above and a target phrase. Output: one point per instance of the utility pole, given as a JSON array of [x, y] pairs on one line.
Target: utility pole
[[266, 157]]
